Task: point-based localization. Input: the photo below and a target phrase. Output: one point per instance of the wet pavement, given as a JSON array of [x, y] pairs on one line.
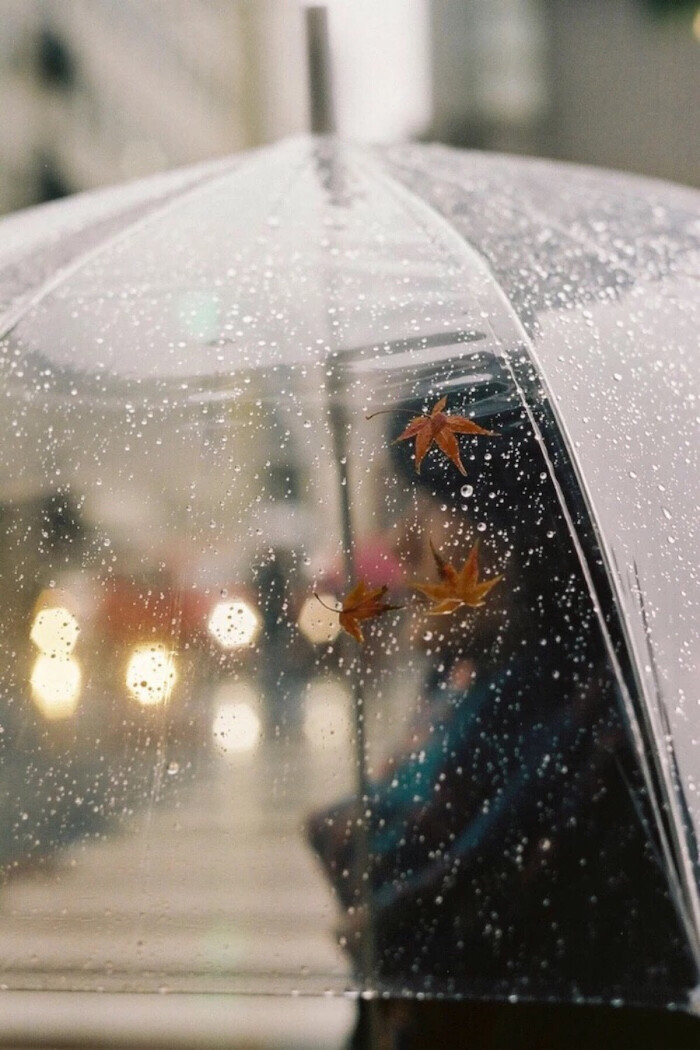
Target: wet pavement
[[210, 891]]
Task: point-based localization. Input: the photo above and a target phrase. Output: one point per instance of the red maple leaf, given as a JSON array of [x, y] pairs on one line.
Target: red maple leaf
[[456, 587], [439, 427], [361, 603]]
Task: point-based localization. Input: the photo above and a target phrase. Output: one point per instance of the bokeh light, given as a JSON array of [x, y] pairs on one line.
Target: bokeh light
[[234, 624], [55, 631], [237, 727], [328, 713], [56, 682], [151, 673], [317, 623]]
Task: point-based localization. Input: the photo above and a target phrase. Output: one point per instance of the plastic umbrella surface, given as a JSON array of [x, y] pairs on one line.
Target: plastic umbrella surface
[[231, 759]]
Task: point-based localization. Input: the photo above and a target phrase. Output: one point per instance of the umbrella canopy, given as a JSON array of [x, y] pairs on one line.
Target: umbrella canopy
[[488, 789]]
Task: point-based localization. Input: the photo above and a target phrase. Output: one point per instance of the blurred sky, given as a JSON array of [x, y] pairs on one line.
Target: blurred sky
[[98, 91]]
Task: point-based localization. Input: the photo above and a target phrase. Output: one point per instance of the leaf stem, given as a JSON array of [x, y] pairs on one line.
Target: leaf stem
[[330, 609], [389, 411]]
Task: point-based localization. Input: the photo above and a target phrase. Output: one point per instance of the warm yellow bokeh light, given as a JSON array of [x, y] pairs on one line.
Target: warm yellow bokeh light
[[234, 624], [237, 726], [55, 631], [696, 25], [56, 683], [151, 674], [328, 714], [317, 623]]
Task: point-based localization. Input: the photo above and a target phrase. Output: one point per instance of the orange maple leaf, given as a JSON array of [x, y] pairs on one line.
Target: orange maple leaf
[[361, 603], [440, 428], [456, 588]]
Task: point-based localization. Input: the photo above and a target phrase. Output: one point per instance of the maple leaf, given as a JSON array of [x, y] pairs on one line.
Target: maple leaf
[[439, 428], [361, 603], [456, 588]]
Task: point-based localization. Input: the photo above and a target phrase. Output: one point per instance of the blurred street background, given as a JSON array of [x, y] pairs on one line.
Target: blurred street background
[[98, 91]]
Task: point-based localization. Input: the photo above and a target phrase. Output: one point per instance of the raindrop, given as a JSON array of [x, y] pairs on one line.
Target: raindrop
[[466, 490], [173, 768], [481, 527]]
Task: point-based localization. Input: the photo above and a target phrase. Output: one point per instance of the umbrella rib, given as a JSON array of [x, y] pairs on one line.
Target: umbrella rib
[[663, 707]]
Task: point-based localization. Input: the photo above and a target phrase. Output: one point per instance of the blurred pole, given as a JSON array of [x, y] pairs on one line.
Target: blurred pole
[[320, 74]]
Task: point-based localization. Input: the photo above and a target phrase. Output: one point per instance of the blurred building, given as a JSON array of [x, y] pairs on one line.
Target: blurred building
[[613, 83], [625, 80], [98, 91], [490, 74]]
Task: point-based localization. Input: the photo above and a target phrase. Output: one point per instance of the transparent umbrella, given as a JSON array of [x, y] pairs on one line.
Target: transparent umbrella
[[233, 761]]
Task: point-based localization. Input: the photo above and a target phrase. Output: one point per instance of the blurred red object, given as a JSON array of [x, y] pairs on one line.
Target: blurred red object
[[375, 562], [131, 610]]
